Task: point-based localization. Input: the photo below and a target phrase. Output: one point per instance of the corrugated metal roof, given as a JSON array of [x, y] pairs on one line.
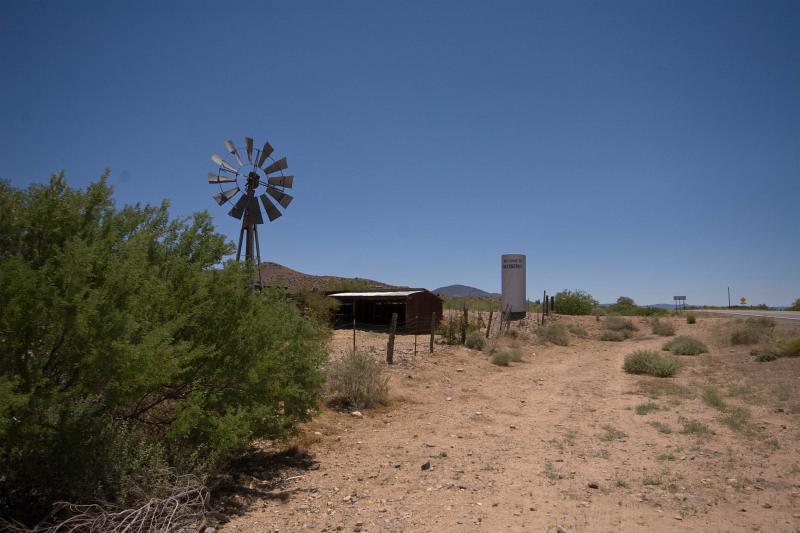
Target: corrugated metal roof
[[394, 294]]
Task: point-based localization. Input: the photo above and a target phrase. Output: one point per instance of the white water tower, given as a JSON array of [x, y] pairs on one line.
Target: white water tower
[[512, 267]]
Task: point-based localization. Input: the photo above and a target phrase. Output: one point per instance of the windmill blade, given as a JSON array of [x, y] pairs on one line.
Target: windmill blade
[[282, 181], [238, 209], [248, 143], [281, 197], [253, 215], [232, 149], [280, 164], [224, 196], [272, 211], [216, 158], [216, 178], [265, 153]]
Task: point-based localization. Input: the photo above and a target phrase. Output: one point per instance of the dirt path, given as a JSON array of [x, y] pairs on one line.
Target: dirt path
[[516, 448]]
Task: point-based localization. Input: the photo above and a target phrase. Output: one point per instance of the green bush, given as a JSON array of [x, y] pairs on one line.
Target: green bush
[[577, 330], [615, 323], [476, 340], [795, 306], [652, 363], [685, 345], [356, 381], [615, 336], [555, 333], [133, 351], [449, 330], [691, 319], [516, 355], [574, 303], [792, 348], [665, 329], [753, 331], [501, 357]]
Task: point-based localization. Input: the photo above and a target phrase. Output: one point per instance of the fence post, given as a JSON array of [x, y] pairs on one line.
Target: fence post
[[415, 335], [489, 327], [354, 334], [390, 345], [433, 328], [464, 326]]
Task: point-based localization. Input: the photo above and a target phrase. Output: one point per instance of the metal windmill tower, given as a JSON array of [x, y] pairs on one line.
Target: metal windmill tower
[[246, 179]]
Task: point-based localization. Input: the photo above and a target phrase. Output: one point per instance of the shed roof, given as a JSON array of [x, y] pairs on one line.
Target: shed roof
[[382, 294]]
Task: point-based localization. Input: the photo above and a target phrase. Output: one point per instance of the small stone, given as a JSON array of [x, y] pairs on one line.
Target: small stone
[[593, 485], [209, 530], [678, 517], [512, 426], [459, 369], [357, 414], [449, 399], [767, 506], [560, 529], [426, 465]]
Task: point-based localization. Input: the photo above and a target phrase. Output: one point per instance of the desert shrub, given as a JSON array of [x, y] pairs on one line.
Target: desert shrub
[[691, 319], [317, 305], [501, 357], [516, 355], [555, 333], [792, 348], [795, 306], [764, 356], [615, 323], [598, 312], [574, 303], [135, 350], [685, 345], [449, 330], [665, 329], [625, 306], [357, 381], [476, 340], [577, 330], [752, 331], [615, 336], [776, 350], [651, 363]]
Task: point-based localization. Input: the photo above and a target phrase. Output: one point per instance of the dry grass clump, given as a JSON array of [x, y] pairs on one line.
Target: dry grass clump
[[476, 340], [615, 323], [685, 345], [665, 329], [651, 363], [691, 319], [776, 350], [577, 330], [753, 330], [555, 333], [357, 381], [615, 336]]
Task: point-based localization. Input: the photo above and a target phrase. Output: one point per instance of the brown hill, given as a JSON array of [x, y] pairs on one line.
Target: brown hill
[[275, 275]]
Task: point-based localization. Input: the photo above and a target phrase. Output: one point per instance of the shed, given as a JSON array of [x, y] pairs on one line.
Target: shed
[[414, 308]]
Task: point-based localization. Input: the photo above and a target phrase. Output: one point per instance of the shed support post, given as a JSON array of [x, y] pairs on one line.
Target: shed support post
[[433, 328], [390, 345]]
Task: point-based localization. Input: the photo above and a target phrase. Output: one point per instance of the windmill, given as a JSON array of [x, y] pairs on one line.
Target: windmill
[[234, 176]]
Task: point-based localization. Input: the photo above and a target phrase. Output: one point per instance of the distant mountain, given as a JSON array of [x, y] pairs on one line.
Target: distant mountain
[[275, 275], [463, 291]]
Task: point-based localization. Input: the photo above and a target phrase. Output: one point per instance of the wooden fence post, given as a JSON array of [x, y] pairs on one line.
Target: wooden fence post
[[464, 326], [415, 335], [354, 334], [433, 328], [390, 345], [489, 327]]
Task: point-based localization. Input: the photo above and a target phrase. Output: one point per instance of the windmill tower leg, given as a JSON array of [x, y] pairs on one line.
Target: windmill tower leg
[[258, 259]]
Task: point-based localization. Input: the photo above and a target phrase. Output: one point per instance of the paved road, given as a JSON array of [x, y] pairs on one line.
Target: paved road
[[792, 316]]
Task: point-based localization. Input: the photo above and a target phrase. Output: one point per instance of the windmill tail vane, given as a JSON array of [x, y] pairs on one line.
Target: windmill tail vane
[[243, 184]]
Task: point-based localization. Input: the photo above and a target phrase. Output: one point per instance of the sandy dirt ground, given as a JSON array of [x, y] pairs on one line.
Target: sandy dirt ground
[[552, 443]]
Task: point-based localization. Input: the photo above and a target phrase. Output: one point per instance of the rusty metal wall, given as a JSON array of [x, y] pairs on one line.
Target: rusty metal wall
[[419, 309]]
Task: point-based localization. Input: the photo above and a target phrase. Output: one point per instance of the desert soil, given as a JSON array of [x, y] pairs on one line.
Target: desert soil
[[554, 441]]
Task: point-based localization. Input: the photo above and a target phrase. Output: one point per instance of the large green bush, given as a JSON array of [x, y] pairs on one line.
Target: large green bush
[[126, 352], [574, 303], [795, 306]]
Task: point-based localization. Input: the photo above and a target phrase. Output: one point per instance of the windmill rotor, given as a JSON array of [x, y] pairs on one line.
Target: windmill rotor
[[243, 184]]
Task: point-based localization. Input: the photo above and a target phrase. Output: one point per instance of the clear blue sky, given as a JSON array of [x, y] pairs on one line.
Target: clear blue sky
[[637, 148]]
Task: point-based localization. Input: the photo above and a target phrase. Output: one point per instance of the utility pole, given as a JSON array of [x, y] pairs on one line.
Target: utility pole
[[729, 297]]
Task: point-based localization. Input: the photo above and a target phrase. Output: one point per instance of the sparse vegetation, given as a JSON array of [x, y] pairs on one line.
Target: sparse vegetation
[[752, 331], [644, 408], [795, 306], [738, 419], [625, 306], [501, 357], [655, 389], [611, 434], [665, 329], [574, 303], [476, 340], [661, 427], [357, 381], [555, 333], [712, 398], [449, 330], [685, 345], [651, 363], [691, 319], [694, 427], [577, 330], [615, 323], [615, 336]]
